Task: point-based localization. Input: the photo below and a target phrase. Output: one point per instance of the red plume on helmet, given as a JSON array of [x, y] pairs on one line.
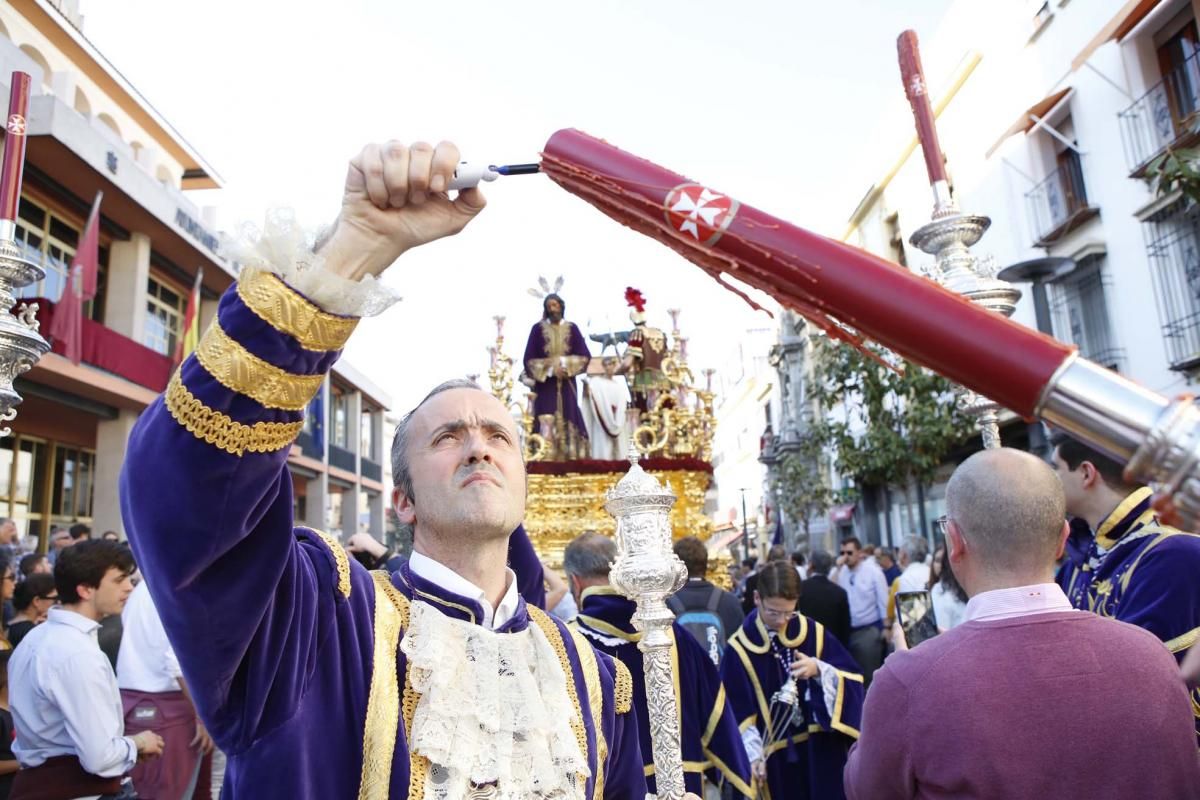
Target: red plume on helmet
[[635, 299]]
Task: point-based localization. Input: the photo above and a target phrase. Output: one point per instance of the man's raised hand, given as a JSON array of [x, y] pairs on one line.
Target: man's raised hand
[[395, 199]]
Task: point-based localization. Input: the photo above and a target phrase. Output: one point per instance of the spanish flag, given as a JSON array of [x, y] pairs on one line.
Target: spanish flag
[[190, 335]]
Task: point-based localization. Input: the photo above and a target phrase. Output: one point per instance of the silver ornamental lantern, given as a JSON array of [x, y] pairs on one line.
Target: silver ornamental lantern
[[20, 343], [647, 571], [949, 237]]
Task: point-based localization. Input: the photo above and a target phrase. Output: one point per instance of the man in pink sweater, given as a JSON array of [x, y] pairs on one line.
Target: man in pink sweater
[[1028, 698]]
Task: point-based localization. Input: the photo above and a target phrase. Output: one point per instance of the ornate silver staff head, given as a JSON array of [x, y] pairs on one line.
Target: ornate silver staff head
[[647, 571]]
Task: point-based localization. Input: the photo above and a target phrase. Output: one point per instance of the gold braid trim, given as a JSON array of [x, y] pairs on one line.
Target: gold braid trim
[[383, 703], [1183, 642], [339, 558], [418, 765], [239, 370], [554, 636], [222, 431], [591, 678], [287, 311], [622, 688]]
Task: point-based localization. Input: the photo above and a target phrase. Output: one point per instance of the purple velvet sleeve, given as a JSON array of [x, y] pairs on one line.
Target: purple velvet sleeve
[[246, 600], [531, 579]]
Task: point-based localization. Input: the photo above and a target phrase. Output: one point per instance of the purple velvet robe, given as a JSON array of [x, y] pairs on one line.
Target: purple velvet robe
[[807, 760], [546, 392], [1140, 571], [709, 739], [273, 625]]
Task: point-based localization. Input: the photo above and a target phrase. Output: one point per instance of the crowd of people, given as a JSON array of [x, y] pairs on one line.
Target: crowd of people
[[87, 674]]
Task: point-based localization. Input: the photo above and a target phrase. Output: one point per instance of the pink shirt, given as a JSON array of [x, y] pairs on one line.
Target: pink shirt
[[1039, 598]]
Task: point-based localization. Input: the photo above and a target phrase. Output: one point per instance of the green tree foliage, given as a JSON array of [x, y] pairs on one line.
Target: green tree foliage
[[886, 426], [803, 482]]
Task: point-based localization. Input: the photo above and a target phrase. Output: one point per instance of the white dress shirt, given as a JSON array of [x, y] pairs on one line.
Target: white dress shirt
[[146, 661], [1018, 601], [64, 698], [451, 581], [914, 578], [867, 590]]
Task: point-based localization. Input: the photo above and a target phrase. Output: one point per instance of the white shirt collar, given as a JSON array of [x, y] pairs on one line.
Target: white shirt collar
[[1017, 601], [73, 619], [451, 581]]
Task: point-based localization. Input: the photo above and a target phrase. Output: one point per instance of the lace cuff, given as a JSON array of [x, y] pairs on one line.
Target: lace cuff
[[829, 685], [286, 249]]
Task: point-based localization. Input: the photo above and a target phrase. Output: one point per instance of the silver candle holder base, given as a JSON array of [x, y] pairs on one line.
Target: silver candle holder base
[[21, 345], [948, 238]]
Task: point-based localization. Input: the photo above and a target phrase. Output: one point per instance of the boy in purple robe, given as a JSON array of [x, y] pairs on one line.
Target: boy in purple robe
[[711, 746], [799, 752], [554, 354], [318, 678], [1129, 566]]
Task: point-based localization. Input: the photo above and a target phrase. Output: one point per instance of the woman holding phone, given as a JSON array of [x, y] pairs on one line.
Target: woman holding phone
[[796, 742]]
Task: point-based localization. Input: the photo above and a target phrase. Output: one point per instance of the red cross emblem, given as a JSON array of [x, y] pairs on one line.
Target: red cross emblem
[[701, 213], [16, 125]]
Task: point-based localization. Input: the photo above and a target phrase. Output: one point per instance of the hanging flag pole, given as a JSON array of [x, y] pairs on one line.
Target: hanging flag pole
[[67, 325]]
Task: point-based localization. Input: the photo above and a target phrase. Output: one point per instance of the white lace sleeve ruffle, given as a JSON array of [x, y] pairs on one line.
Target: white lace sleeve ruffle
[[829, 685], [493, 709], [285, 248]]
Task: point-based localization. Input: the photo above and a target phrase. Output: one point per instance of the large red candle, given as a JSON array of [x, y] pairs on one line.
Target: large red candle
[[913, 75], [14, 146], [828, 282]]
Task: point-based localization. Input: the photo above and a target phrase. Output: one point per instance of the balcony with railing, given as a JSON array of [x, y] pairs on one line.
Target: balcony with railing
[[1059, 204], [1173, 250], [1165, 116]]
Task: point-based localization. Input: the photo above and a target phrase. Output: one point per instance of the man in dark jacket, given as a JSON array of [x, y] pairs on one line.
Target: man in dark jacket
[[823, 600], [708, 612]]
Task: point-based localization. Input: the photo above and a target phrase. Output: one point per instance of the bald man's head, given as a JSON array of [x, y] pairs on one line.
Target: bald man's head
[[1010, 508]]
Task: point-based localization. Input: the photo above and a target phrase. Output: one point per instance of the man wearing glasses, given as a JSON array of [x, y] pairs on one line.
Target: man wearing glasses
[[867, 590]]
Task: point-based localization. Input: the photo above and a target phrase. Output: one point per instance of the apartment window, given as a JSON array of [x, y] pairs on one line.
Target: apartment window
[[367, 431], [1081, 313], [164, 319], [50, 241], [341, 420], [43, 482], [1173, 249], [1177, 46]]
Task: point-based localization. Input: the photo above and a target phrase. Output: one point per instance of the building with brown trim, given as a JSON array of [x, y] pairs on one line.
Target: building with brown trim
[[90, 130]]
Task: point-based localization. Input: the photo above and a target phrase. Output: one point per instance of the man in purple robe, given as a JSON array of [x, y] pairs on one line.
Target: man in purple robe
[[554, 354], [710, 744], [318, 678]]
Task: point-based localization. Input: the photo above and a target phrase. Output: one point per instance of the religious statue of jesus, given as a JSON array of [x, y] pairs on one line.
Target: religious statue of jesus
[[555, 353]]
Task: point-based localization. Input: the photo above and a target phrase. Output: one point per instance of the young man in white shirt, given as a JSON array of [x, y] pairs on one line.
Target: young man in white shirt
[[62, 691]]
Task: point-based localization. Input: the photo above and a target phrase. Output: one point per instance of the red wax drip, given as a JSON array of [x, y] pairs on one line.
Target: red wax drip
[[832, 284], [915, 88], [14, 145]]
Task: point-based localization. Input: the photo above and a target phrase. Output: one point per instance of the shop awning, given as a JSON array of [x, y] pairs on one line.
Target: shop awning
[[1027, 120], [1117, 28]]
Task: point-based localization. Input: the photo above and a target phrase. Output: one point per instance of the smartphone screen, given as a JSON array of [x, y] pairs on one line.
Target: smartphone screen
[[915, 610]]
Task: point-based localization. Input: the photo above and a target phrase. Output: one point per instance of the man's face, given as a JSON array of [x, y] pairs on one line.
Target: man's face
[[114, 589], [43, 604], [554, 310], [60, 540], [1072, 482], [610, 367], [43, 566], [885, 560], [852, 553], [467, 470], [8, 532]]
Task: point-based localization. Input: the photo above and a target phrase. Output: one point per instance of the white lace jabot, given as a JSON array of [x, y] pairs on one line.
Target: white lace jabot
[[493, 709]]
